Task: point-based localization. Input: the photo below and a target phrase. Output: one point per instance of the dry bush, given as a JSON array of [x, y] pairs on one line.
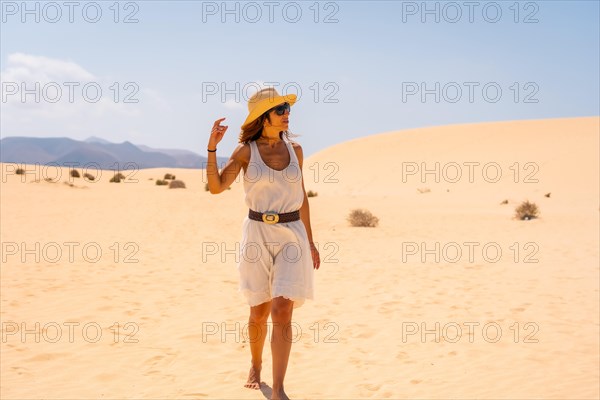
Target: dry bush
[[527, 211], [75, 173], [360, 217], [89, 176], [310, 193], [160, 182], [20, 171], [169, 176], [504, 202], [424, 190], [117, 178], [177, 185]]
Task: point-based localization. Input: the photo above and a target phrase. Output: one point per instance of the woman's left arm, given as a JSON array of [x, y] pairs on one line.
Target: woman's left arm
[[305, 213], [305, 216]]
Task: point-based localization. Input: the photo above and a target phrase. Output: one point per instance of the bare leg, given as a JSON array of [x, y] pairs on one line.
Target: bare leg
[[257, 332], [281, 342]]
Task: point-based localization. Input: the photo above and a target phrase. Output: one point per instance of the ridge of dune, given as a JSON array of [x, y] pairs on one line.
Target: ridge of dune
[[424, 129], [562, 151]]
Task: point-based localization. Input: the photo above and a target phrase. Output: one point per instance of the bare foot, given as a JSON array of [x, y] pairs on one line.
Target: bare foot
[[253, 379], [279, 394]]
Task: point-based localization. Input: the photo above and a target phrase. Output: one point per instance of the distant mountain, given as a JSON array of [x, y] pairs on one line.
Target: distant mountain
[[95, 139], [62, 151]]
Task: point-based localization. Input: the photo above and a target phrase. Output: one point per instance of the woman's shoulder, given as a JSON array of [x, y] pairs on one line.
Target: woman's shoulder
[[295, 145], [298, 150]]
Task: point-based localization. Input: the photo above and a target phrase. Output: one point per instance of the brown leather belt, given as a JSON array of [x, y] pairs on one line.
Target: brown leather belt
[[273, 218]]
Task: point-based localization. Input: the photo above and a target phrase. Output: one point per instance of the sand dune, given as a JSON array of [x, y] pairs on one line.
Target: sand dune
[[146, 306]]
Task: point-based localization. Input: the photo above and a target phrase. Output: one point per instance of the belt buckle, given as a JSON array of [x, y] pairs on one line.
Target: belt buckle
[[270, 218]]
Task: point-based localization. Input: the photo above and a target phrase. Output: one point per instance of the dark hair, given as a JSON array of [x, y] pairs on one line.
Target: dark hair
[[254, 129]]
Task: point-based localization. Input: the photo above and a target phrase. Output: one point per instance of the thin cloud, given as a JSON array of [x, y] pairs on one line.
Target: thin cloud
[[23, 67], [59, 108]]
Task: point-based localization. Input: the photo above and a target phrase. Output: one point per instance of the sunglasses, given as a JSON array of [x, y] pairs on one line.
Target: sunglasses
[[281, 109]]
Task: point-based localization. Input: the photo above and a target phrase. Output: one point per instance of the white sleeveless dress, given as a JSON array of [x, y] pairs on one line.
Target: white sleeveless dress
[[275, 259]]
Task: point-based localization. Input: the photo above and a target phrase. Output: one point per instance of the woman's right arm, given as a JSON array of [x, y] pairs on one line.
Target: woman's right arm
[[218, 182]]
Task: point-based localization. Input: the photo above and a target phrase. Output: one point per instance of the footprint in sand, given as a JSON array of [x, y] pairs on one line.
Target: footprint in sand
[[389, 307], [371, 386], [153, 372], [416, 381], [154, 360], [107, 377], [356, 361], [361, 331], [363, 335], [22, 371], [522, 308], [47, 357]]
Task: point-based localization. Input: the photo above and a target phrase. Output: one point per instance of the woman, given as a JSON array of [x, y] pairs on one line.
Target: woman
[[277, 250]]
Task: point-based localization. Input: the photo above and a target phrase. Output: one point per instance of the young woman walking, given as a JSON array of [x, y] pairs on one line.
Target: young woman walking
[[278, 256]]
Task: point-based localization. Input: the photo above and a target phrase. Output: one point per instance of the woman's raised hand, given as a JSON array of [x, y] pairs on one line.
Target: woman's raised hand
[[217, 133]]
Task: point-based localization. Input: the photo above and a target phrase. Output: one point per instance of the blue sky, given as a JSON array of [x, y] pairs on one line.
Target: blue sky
[[360, 73]]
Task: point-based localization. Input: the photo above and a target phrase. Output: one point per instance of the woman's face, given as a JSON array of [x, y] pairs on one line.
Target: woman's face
[[279, 121]]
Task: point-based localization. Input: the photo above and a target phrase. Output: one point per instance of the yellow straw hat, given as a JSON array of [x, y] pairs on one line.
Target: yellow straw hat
[[263, 101]]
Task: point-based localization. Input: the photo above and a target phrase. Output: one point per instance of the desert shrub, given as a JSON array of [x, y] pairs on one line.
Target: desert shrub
[[89, 176], [75, 173], [169, 176], [310, 193], [118, 177], [527, 211], [504, 202], [360, 217], [20, 171], [424, 190], [160, 182], [176, 185]]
